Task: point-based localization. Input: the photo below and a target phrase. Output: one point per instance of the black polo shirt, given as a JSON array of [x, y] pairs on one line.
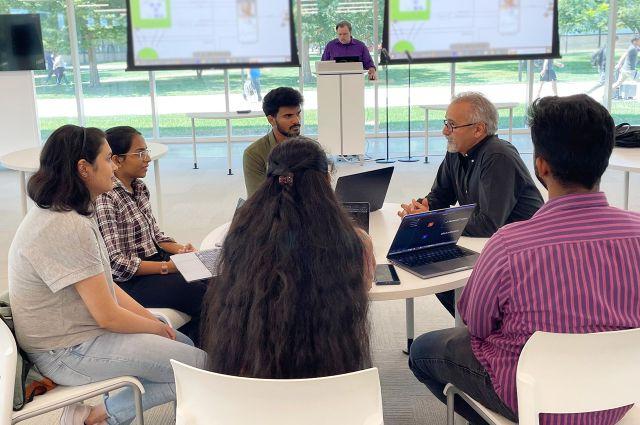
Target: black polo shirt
[[493, 176]]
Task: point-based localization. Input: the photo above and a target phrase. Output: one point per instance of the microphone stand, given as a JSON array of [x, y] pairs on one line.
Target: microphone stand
[[385, 60], [409, 158]]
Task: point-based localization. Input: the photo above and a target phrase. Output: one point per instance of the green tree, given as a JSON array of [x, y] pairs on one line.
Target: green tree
[[582, 16], [629, 15]]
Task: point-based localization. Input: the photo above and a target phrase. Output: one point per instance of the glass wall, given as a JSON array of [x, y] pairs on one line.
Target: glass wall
[[112, 96]]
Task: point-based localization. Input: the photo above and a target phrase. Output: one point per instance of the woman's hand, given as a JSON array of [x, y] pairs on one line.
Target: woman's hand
[[187, 248]]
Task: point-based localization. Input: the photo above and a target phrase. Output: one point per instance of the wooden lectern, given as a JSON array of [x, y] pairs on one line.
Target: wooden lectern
[[341, 107]]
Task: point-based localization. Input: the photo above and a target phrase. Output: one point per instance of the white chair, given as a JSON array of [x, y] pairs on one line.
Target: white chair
[[174, 318], [58, 397], [570, 373], [211, 398]]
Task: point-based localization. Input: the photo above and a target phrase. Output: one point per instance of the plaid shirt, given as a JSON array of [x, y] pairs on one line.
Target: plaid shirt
[[128, 227]]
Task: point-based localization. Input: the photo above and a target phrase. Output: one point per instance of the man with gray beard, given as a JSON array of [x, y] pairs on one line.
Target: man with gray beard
[[479, 168]]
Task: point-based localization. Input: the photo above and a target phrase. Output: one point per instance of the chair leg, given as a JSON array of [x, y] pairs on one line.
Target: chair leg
[[450, 410], [137, 398]]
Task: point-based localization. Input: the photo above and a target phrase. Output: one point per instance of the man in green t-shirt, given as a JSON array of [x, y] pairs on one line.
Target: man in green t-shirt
[[282, 107]]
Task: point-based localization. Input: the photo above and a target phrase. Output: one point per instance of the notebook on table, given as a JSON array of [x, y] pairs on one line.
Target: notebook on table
[[426, 244]]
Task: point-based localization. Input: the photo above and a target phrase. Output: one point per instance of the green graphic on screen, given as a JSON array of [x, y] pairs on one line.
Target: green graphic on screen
[[410, 10], [150, 14]]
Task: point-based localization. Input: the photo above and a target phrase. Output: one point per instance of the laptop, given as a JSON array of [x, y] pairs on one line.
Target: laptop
[[359, 213], [426, 244], [369, 186], [198, 265], [340, 59]]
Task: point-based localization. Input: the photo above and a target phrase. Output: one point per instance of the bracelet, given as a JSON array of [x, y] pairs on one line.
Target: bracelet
[[164, 269]]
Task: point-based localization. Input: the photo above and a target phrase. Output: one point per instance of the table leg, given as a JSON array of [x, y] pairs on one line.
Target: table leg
[[229, 145], [626, 190], [426, 136], [510, 124], [457, 293], [193, 138], [156, 172], [409, 317], [23, 192]]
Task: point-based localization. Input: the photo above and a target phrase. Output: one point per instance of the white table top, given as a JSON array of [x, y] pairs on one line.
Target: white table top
[[444, 106], [224, 115], [383, 225], [625, 159], [28, 160]]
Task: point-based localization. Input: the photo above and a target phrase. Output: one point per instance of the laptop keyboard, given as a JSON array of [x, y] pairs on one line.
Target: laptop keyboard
[[209, 258], [420, 258]]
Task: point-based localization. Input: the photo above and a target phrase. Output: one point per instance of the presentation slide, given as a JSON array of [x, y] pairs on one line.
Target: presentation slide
[[458, 30], [170, 34]]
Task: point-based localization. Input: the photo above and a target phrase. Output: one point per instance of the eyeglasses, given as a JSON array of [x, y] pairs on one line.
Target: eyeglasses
[[452, 127], [141, 154]]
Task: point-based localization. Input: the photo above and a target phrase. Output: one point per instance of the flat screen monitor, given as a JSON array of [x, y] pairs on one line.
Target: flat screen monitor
[[470, 30], [21, 43], [188, 34]]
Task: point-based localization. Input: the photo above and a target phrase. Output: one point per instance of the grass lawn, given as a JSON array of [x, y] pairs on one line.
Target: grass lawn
[[177, 125], [119, 83]]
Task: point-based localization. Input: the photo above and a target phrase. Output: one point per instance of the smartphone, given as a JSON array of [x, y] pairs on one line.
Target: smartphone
[[386, 275]]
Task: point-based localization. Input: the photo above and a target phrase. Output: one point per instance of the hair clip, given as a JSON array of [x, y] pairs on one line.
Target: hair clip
[[285, 180]]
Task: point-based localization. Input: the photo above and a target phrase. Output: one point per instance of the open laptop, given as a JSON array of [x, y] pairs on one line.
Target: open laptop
[[340, 59], [198, 265], [359, 213], [369, 186], [426, 244]]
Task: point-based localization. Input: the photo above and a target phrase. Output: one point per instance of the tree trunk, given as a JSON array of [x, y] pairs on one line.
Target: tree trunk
[[94, 76], [304, 59]]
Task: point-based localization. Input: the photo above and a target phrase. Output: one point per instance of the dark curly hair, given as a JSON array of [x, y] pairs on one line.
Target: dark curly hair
[[291, 300], [277, 98]]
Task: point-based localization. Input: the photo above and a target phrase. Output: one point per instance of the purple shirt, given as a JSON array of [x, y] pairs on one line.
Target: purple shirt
[[355, 47], [572, 268]]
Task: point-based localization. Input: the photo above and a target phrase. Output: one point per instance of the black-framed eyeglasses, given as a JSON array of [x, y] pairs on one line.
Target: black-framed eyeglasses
[[452, 127], [141, 154]]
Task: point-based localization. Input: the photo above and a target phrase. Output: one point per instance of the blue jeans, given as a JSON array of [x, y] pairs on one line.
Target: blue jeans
[[145, 356], [445, 356]]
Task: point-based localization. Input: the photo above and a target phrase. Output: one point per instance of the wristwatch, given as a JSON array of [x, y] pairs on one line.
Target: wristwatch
[[164, 269]]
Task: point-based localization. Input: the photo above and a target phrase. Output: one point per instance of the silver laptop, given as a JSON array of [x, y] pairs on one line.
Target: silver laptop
[[198, 265], [426, 244]]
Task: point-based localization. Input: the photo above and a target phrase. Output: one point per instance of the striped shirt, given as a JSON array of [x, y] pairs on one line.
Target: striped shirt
[[574, 267], [128, 227]]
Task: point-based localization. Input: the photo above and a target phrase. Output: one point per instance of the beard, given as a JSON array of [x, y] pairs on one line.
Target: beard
[[452, 147], [292, 131]]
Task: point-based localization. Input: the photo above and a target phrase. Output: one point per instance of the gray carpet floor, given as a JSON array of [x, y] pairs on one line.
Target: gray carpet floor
[[205, 198]]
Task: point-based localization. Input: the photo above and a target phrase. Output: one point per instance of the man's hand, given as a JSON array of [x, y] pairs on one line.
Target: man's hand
[[414, 207], [372, 74]]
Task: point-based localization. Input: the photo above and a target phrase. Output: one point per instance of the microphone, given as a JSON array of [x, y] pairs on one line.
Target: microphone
[[406, 52], [384, 55]]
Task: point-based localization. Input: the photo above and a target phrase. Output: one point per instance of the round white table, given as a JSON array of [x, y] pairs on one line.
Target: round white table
[[627, 160], [28, 161], [383, 225]]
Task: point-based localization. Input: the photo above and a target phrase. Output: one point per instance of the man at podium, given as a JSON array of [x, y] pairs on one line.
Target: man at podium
[[348, 48]]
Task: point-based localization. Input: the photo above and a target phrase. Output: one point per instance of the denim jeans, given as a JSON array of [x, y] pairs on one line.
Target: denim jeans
[[145, 356], [445, 356]]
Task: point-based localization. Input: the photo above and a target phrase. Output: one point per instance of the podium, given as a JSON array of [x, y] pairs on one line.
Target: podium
[[341, 107]]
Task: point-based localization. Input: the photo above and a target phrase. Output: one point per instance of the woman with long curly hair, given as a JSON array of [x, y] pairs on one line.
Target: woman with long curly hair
[[291, 299]]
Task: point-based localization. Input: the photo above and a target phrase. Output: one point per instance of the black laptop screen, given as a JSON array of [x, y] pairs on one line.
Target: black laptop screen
[[431, 228]]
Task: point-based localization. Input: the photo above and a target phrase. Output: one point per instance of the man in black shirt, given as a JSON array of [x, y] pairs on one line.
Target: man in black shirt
[[479, 168]]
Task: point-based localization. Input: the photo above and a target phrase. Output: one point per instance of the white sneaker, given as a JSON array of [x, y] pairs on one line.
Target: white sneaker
[[75, 414]]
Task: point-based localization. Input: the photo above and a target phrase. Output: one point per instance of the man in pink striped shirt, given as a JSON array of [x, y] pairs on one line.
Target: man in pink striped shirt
[[574, 267]]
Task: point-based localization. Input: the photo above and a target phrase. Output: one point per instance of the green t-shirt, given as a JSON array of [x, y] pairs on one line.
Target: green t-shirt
[[254, 162]]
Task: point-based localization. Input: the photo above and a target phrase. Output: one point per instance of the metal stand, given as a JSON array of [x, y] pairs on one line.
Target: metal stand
[[385, 58], [409, 158]]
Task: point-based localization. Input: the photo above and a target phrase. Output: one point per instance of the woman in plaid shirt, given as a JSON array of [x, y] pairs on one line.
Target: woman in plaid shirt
[[138, 250]]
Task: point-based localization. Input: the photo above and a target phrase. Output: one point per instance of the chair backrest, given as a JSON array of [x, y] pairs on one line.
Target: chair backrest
[[211, 398], [8, 359], [570, 373]]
